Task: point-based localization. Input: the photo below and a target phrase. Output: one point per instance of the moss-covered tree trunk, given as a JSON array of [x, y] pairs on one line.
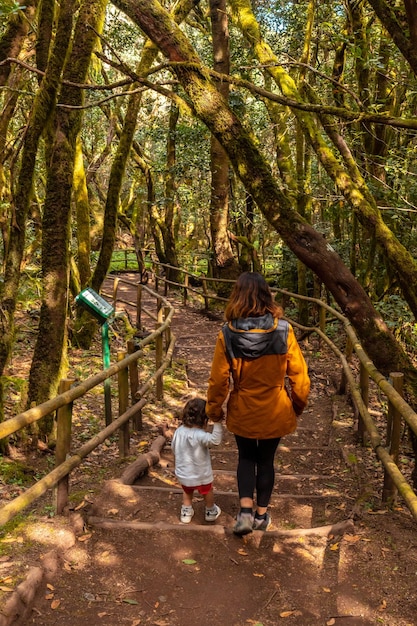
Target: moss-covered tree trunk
[[401, 23], [224, 264], [306, 243], [82, 206], [118, 168], [14, 36], [171, 216], [347, 177], [50, 349], [42, 109]]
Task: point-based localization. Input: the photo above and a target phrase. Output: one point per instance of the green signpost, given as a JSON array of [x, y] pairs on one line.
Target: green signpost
[[102, 311]]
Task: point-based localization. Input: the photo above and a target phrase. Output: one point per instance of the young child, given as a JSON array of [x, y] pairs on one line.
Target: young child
[[190, 445]]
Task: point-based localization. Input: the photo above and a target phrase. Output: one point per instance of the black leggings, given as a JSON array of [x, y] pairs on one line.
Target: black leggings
[[255, 469]]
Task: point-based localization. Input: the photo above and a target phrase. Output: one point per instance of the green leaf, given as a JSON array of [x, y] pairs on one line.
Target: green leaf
[[129, 601], [189, 561]]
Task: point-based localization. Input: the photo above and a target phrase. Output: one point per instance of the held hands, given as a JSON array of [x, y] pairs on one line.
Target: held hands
[[221, 418]]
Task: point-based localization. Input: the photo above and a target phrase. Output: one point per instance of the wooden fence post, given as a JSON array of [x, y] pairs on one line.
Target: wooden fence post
[[167, 333], [389, 491], [364, 385], [123, 388], [185, 296], [134, 385], [348, 354], [158, 357], [63, 446], [139, 307], [133, 372], [206, 306], [167, 278]]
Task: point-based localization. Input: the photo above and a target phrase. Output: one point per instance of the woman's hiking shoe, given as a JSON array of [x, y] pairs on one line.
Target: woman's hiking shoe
[[244, 524], [187, 513], [263, 523], [213, 513]]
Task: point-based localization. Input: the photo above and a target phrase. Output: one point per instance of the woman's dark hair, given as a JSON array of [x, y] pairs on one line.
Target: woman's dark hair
[[251, 297], [194, 413]]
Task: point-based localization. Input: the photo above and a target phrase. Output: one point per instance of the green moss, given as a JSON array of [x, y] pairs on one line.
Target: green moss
[[15, 472]]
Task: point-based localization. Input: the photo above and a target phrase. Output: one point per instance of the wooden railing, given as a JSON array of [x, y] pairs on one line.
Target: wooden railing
[[127, 377], [387, 446]]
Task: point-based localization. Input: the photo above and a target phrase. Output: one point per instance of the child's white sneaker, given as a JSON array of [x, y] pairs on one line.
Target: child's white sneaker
[[213, 513], [187, 513]]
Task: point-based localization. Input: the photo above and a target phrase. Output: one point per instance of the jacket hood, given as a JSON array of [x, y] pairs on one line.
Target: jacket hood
[[252, 337]]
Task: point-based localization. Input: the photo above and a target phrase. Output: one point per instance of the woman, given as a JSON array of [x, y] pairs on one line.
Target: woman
[[259, 349]]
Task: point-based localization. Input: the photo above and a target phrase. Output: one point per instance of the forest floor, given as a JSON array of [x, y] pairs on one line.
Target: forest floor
[[137, 565]]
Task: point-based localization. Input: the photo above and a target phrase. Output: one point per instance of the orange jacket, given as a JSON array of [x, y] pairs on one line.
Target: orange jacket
[[259, 406]]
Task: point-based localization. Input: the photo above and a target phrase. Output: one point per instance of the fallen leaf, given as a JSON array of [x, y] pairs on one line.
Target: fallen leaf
[[55, 604], [113, 511], [335, 546], [242, 551], [80, 506], [84, 537], [189, 561], [258, 575], [49, 596], [7, 589], [351, 539], [331, 622], [6, 580], [326, 589], [289, 613], [51, 587], [383, 605], [130, 601]]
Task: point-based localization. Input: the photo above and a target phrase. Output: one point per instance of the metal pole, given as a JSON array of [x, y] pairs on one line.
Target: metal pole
[[63, 446], [106, 364]]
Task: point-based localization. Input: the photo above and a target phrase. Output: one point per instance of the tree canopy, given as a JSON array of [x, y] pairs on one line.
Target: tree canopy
[[280, 137]]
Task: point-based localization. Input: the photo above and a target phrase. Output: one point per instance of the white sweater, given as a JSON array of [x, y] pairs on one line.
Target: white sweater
[[192, 456]]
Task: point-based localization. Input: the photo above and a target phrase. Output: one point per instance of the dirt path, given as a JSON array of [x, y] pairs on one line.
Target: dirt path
[[140, 566]]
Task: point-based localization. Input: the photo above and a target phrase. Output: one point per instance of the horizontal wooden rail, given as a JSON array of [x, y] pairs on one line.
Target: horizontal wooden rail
[[390, 467], [122, 367], [49, 481], [352, 342], [404, 489]]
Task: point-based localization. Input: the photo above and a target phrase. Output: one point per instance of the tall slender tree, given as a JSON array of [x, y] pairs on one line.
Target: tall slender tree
[[306, 243], [50, 349]]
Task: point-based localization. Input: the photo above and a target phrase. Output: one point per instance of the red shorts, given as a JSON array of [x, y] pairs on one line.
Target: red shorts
[[202, 489]]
